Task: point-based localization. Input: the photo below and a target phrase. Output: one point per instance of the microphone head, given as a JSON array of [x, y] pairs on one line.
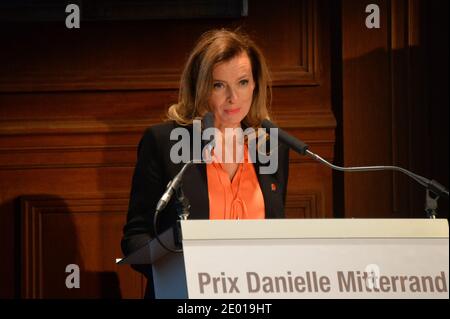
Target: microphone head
[[285, 138]]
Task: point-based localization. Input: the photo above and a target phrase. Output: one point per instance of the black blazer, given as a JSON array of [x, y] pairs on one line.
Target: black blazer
[[154, 169]]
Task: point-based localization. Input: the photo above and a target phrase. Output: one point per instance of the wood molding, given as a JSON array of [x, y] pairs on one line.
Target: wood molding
[[73, 126], [33, 211], [148, 79], [303, 205], [90, 143], [285, 118], [306, 73]]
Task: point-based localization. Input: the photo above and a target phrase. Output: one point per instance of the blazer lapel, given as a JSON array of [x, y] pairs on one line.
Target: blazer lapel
[[195, 186], [266, 181]]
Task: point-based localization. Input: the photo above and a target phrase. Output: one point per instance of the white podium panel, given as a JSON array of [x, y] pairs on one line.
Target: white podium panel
[[339, 258]]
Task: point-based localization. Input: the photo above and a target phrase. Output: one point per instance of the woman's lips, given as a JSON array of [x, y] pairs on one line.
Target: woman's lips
[[232, 111]]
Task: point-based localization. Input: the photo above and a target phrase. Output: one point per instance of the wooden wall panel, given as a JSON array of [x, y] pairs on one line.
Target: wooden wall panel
[[74, 104], [367, 112], [76, 230], [388, 115], [306, 203], [70, 67]]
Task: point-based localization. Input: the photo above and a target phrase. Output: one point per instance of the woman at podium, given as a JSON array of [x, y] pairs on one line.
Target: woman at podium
[[225, 75]]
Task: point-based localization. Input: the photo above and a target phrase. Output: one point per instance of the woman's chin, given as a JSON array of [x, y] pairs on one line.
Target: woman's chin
[[233, 124], [231, 121]]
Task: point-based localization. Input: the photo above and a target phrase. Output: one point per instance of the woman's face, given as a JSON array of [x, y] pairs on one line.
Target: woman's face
[[232, 92]]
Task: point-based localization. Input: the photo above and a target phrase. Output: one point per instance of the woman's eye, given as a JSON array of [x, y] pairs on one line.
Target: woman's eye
[[218, 85], [243, 82]]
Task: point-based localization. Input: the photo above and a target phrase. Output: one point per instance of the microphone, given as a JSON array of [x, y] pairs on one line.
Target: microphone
[[430, 185], [289, 140], [174, 184]]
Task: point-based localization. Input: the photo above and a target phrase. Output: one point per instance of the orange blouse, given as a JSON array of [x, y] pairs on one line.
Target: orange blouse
[[240, 198]]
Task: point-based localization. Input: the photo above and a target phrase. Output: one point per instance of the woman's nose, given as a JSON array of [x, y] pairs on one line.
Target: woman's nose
[[232, 94]]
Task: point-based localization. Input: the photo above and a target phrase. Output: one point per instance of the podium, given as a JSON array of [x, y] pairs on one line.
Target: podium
[[301, 258]]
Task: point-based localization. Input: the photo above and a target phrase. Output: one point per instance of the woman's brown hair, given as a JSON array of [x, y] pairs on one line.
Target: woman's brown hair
[[213, 47]]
